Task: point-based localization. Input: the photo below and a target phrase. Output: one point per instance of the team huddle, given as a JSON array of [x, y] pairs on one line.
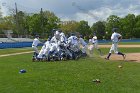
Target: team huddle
[[60, 47]]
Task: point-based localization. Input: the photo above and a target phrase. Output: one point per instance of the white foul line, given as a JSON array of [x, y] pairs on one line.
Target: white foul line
[[12, 54]]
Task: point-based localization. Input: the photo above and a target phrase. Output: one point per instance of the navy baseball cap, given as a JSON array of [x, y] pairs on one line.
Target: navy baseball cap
[[36, 36], [114, 29], [22, 71]]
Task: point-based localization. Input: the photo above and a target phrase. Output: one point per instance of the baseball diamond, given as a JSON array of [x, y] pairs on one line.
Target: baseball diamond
[[69, 46]]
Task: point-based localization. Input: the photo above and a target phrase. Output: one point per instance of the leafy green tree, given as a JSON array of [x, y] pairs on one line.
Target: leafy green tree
[[137, 27], [34, 24], [20, 19], [6, 23], [128, 23], [99, 29], [50, 21], [69, 26], [0, 21], [112, 21], [0, 13], [84, 29], [42, 23]]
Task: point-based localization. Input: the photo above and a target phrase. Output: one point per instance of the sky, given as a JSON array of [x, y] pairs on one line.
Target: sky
[[88, 10]]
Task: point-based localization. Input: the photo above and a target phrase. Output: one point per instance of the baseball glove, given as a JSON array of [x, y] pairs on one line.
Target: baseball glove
[[119, 37]]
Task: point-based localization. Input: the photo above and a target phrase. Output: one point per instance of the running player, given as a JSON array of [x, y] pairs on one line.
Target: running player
[[116, 37]]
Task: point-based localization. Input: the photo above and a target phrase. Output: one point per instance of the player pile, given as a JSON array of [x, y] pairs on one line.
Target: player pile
[[59, 47]]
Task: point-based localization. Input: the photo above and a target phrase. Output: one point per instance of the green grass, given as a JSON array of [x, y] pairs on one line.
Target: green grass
[[16, 50], [68, 76], [124, 50]]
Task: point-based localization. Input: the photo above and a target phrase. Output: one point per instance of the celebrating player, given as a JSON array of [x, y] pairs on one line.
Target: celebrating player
[[116, 37], [35, 44], [95, 43]]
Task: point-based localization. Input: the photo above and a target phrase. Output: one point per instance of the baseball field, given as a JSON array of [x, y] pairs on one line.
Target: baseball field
[[73, 76]]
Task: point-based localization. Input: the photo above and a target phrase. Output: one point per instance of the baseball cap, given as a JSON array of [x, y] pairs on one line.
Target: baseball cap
[[114, 29]]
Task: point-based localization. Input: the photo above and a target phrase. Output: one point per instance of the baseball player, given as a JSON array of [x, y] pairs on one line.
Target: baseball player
[[90, 47], [63, 38], [95, 44], [35, 44], [73, 42], [116, 37], [64, 45], [55, 41], [84, 45], [45, 49]]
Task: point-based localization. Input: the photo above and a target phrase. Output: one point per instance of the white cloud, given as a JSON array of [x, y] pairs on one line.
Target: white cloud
[[102, 13], [89, 10]]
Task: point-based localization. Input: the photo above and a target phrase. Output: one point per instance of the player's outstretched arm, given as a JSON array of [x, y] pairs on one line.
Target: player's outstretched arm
[[119, 38]]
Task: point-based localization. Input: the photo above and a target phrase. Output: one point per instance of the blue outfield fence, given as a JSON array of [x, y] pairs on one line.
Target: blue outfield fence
[[130, 40], [16, 45], [124, 40], [29, 44]]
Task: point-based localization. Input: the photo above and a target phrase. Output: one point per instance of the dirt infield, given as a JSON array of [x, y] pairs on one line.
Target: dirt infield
[[108, 46], [130, 57]]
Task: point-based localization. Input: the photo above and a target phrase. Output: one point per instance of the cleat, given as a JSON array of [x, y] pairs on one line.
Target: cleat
[[124, 56], [107, 58], [33, 59], [39, 59]]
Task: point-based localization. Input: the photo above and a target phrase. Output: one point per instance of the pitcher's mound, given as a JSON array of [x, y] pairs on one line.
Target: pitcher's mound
[[131, 57]]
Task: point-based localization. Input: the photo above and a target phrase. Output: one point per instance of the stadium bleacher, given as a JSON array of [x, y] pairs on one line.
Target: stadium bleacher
[[15, 42], [7, 40]]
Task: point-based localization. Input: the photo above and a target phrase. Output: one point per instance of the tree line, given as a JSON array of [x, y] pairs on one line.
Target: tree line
[[42, 23]]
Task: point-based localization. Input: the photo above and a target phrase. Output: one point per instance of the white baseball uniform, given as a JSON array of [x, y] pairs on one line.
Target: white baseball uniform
[[84, 44], [90, 47], [73, 42], [44, 50], [35, 44], [115, 40], [95, 42], [63, 38]]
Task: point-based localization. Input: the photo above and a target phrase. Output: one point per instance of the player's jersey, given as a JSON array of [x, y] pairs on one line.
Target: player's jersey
[[94, 39], [63, 38], [115, 36], [82, 42], [90, 41], [73, 40], [35, 42], [54, 40], [47, 44]]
